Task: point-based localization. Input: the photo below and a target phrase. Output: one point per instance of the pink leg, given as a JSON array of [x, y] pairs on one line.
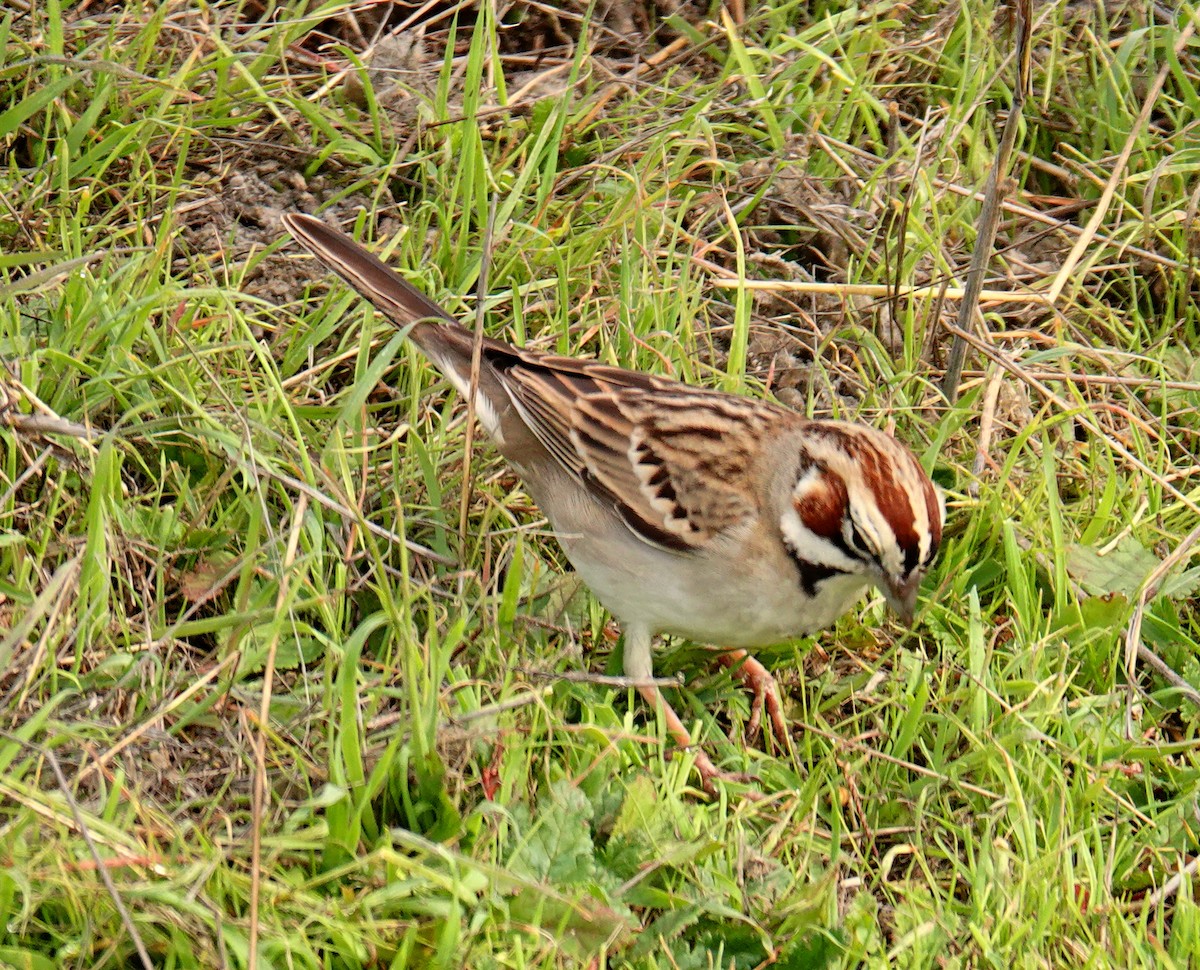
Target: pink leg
[[708, 771], [639, 666]]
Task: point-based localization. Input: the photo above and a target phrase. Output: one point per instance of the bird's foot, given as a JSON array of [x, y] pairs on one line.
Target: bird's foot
[[763, 690], [710, 774]]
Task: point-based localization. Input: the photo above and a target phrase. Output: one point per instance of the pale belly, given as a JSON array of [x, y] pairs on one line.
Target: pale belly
[[725, 599], [724, 603]]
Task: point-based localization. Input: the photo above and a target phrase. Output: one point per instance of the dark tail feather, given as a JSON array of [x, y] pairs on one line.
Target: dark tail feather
[[391, 294]]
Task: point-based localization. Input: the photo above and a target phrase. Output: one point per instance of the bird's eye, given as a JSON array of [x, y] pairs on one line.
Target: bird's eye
[[858, 543]]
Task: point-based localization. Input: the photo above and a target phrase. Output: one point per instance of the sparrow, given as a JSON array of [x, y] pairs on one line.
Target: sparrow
[[728, 521]]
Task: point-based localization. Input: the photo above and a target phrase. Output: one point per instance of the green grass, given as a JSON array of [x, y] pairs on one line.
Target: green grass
[[230, 543]]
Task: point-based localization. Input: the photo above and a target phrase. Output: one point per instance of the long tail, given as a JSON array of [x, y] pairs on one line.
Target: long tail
[[391, 294], [446, 342]]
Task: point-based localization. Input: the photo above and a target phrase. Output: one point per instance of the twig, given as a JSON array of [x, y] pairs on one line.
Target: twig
[[989, 213], [586, 677], [44, 422], [987, 422], [38, 424], [1168, 673], [1171, 886], [1114, 380], [879, 290], [309, 492], [491, 710]]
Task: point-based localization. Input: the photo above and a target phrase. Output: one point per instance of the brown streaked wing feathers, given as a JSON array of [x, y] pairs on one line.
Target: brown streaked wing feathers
[[674, 483], [596, 421]]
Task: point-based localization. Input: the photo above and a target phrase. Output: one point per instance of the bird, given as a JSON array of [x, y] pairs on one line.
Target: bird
[[730, 521]]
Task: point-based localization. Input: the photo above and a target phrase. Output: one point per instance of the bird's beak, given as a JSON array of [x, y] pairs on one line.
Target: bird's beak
[[902, 597]]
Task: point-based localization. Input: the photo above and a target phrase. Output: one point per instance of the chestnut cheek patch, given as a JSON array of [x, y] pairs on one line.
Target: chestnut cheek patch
[[822, 506]]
